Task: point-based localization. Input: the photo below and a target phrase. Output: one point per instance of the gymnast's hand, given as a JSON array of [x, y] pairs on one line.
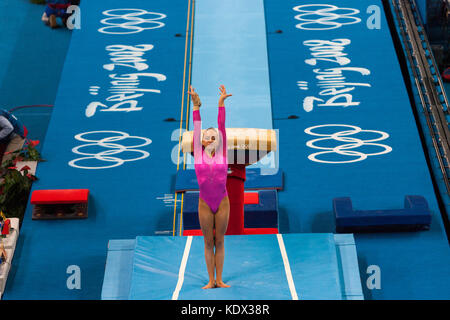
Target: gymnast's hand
[[223, 95], [195, 98]]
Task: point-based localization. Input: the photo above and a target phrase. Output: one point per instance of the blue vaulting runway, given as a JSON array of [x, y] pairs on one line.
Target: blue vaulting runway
[[355, 136]]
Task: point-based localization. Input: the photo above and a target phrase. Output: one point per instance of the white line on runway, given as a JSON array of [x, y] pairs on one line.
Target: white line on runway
[[287, 267], [187, 248]]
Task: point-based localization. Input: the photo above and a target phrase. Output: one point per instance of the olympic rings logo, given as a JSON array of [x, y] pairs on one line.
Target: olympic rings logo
[[349, 143], [113, 148], [330, 16], [121, 22]]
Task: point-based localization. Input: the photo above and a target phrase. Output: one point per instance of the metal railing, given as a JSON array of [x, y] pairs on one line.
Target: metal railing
[[418, 53]]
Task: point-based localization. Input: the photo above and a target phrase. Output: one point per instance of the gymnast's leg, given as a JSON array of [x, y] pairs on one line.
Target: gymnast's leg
[[206, 218], [221, 222]]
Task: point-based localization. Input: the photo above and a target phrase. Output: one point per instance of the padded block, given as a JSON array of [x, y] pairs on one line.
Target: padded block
[[59, 196], [261, 215], [247, 231], [265, 213], [60, 204], [260, 231], [190, 211], [415, 216], [186, 180], [192, 232], [251, 198]]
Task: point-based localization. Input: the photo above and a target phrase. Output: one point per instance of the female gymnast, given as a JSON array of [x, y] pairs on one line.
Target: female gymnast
[[211, 168]]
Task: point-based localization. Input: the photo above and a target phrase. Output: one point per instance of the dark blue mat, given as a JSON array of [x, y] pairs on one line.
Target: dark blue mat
[[186, 180]]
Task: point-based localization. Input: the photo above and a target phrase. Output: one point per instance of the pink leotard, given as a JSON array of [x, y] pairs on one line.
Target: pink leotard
[[211, 171]]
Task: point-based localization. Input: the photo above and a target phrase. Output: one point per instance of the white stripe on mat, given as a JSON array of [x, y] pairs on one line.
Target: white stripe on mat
[[187, 248], [287, 267]]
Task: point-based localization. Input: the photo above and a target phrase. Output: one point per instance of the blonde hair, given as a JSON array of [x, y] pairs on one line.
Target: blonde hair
[[211, 128], [216, 142]]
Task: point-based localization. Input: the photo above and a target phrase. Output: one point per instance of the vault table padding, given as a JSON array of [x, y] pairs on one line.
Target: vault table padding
[[60, 196], [414, 216]]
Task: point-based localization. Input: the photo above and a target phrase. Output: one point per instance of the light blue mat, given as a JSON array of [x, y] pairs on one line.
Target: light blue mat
[[116, 284], [322, 266]]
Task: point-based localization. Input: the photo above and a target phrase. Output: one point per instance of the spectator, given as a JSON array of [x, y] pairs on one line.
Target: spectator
[[57, 9], [12, 134]]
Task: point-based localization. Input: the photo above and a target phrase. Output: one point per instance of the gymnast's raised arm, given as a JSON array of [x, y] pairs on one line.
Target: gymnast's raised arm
[[221, 119], [197, 124]]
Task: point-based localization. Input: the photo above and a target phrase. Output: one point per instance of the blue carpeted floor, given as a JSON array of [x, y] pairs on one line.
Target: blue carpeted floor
[[127, 202], [410, 270], [32, 56]]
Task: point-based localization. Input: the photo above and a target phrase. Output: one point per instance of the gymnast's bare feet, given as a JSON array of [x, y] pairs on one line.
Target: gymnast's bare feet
[[221, 284], [210, 285]]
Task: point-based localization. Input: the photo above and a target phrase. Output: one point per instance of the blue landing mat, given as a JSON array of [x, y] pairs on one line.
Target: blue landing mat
[[323, 266]]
